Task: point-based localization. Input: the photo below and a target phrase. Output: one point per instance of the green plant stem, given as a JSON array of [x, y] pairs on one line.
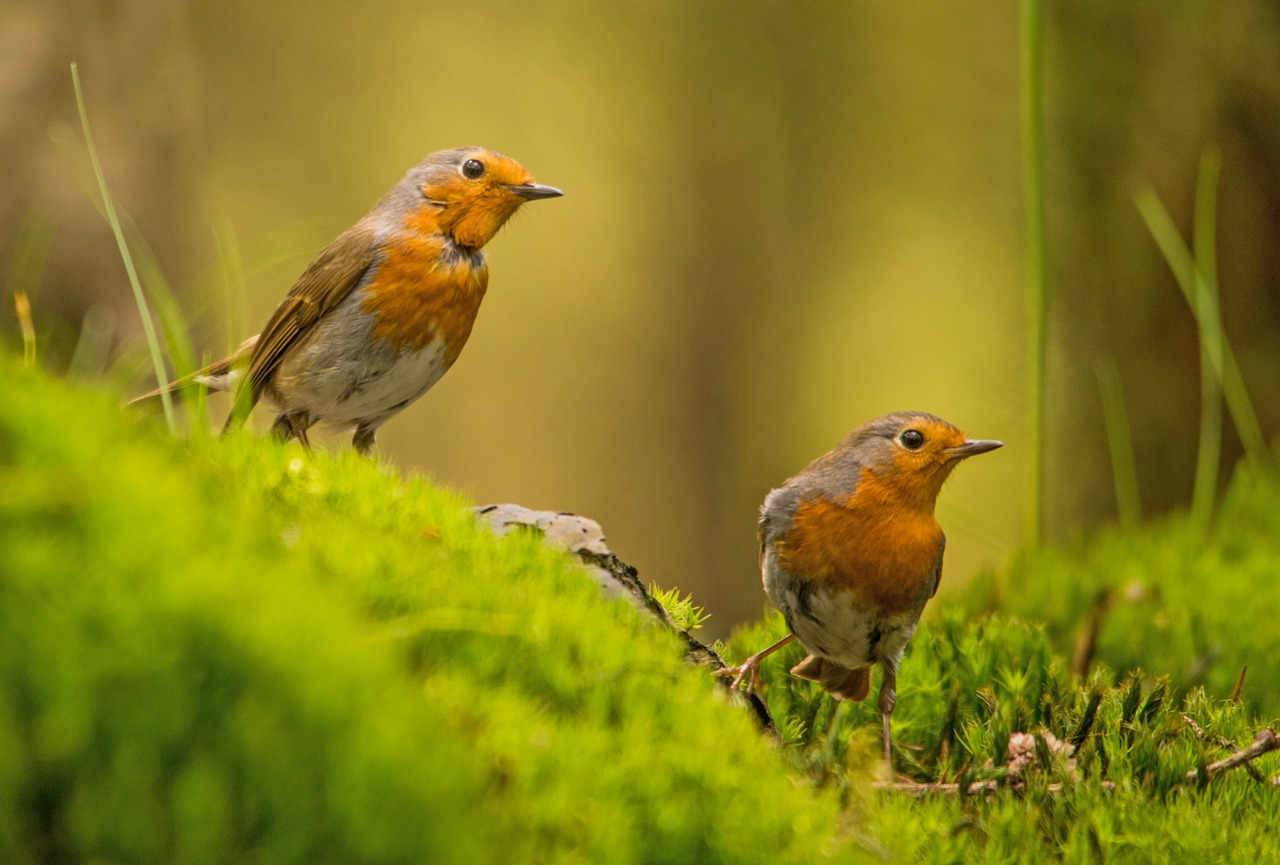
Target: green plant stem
[[1204, 243], [148, 327], [1036, 275], [232, 268], [1124, 470], [22, 306], [1204, 306]]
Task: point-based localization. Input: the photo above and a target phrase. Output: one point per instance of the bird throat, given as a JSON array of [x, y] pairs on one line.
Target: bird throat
[[426, 288]]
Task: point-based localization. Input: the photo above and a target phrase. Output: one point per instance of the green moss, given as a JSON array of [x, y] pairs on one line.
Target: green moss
[[964, 689], [224, 650], [1197, 605]]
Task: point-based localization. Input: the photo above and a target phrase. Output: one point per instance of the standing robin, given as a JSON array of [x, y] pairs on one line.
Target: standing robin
[[850, 552], [383, 311]]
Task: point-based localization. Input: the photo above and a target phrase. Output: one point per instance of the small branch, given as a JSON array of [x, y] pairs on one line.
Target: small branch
[[1266, 741], [585, 538], [921, 790], [1222, 742]]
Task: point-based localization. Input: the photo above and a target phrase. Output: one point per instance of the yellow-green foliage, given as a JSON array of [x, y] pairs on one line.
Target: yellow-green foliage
[[965, 687], [223, 650], [1196, 605]]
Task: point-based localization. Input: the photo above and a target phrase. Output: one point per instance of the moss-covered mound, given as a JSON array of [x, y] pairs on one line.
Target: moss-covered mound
[[1003, 757], [1198, 605], [224, 651]]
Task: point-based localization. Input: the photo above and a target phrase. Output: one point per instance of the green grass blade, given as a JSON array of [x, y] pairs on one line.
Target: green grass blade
[[1124, 471], [1183, 265], [93, 345], [164, 301], [1204, 241], [148, 327], [22, 307], [1036, 274]]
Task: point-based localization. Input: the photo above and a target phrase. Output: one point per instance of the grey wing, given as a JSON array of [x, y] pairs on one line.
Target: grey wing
[[775, 516]]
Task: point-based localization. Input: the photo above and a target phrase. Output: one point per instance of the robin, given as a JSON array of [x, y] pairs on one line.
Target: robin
[[850, 552], [383, 311]]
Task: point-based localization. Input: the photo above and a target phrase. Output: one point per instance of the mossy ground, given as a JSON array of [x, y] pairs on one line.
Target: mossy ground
[[1196, 604], [226, 650]]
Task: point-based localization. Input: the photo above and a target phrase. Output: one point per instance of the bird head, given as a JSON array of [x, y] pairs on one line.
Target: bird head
[[474, 192], [913, 453]]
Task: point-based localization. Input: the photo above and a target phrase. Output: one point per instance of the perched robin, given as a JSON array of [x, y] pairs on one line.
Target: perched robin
[[383, 311], [850, 552]]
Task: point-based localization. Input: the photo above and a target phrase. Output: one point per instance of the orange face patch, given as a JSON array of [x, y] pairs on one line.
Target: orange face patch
[[875, 544], [476, 208]]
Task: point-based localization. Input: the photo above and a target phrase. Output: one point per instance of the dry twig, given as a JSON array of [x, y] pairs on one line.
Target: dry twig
[[922, 789], [1266, 741]]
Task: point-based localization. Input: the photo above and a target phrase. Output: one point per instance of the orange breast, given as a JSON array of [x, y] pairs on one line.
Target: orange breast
[[873, 544], [422, 290]]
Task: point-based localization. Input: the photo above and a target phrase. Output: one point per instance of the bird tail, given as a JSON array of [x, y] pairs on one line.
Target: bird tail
[[840, 682], [222, 375]]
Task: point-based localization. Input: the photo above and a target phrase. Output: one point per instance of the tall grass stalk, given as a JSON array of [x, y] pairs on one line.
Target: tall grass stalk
[[22, 307], [164, 302], [1036, 273], [1204, 306], [148, 327], [1203, 245], [1124, 470]]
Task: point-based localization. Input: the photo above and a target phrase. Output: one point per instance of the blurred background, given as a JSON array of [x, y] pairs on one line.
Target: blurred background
[[781, 219]]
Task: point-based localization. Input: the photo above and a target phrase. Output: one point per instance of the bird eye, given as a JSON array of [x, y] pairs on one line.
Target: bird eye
[[912, 439], [472, 169]]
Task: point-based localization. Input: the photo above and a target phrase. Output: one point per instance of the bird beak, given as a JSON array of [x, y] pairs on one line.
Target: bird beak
[[973, 447], [534, 191]]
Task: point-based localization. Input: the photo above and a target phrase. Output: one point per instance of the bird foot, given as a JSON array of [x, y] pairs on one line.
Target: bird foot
[[747, 672]]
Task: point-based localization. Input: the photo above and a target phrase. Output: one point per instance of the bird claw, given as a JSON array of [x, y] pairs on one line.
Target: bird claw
[[747, 672]]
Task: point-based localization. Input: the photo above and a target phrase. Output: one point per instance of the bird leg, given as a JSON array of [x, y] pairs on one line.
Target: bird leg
[[293, 425], [888, 697], [749, 670], [364, 439]]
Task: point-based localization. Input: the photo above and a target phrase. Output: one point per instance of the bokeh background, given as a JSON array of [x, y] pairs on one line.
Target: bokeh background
[[781, 219]]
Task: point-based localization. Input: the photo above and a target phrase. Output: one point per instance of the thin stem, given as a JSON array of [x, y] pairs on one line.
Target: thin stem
[[1204, 241], [148, 328], [22, 306], [1124, 471], [1036, 273], [1221, 359]]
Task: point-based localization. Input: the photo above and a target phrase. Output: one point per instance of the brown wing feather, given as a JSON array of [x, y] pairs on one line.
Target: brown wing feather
[[937, 569], [325, 283]]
